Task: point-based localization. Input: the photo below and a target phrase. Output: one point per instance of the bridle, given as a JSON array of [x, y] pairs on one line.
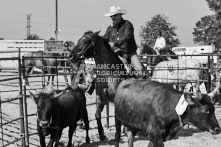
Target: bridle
[[82, 53]]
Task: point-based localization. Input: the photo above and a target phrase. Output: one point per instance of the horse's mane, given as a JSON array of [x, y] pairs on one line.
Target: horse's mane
[[106, 44]]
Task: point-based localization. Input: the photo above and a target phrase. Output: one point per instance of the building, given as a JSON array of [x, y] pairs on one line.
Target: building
[[9, 48]]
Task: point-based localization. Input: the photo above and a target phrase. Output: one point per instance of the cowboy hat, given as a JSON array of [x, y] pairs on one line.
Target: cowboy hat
[[115, 10]]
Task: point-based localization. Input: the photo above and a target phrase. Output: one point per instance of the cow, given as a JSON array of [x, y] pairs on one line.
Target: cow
[[182, 71], [156, 109], [54, 113]]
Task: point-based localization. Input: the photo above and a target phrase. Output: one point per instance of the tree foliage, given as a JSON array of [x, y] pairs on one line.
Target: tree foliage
[[207, 29], [33, 37], [149, 31], [214, 5]]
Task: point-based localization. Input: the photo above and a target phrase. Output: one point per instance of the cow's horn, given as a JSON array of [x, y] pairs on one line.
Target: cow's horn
[[212, 94], [57, 94]]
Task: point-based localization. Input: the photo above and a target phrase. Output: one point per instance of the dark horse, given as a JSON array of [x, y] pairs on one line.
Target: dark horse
[[154, 59], [56, 112], [110, 70], [47, 65]]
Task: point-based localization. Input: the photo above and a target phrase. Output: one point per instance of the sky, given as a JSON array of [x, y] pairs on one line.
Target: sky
[[78, 16]]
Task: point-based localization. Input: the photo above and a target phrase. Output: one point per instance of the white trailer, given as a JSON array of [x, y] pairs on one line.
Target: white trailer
[[196, 50]]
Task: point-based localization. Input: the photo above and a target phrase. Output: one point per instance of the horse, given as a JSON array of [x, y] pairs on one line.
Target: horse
[[46, 65], [54, 115], [110, 70], [152, 61]]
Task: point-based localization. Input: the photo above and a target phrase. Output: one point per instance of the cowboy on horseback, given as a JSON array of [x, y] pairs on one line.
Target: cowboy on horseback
[[120, 36]]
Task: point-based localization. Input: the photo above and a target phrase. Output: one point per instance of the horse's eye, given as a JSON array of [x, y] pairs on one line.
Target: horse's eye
[[206, 111]]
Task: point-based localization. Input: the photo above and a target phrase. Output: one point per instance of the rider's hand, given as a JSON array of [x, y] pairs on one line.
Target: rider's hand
[[111, 44]]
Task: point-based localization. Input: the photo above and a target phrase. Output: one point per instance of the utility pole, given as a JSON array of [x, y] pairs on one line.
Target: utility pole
[[28, 25], [56, 21]]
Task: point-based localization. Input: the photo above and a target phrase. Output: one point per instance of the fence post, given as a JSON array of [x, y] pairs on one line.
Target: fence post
[[22, 121], [24, 96]]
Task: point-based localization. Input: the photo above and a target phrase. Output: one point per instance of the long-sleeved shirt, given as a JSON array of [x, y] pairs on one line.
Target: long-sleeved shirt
[[122, 36], [160, 43]]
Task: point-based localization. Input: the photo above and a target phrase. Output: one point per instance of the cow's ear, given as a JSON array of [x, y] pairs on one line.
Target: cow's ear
[[34, 96], [189, 99]]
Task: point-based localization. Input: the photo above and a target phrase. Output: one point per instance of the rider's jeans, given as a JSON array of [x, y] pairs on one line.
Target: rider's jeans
[[136, 62]]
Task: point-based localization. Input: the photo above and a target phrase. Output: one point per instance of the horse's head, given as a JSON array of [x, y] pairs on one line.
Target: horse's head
[[84, 47], [45, 104]]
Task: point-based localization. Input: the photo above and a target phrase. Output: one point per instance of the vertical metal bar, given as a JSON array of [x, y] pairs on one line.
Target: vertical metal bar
[[21, 100], [56, 59], [2, 132], [24, 96], [208, 75], [43, 70]]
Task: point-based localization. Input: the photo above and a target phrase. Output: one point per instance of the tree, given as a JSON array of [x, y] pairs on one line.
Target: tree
[[149, 31], [205, 31], [214, 5], [33, 37]]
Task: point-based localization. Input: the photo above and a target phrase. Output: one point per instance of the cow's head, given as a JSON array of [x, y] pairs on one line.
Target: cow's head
[[201, 113], [45, 106]]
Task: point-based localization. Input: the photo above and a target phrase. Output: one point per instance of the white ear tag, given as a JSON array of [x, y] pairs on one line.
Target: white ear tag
[[202, 88], [181, 106]]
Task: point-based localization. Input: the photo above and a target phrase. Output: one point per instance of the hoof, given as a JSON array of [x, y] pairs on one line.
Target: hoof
[[103, 138]]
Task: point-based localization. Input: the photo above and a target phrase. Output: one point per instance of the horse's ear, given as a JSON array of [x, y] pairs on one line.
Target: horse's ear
[[96, 33]]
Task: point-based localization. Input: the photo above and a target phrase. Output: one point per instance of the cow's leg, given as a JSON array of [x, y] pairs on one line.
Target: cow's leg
[[100, 106], [72, 128], [86, 122], [57, 137], [156, 139], [118, 125], [131, 135]]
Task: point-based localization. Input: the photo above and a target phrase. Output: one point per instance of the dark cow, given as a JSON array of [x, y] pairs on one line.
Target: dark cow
[[58, 112], [149, 106]]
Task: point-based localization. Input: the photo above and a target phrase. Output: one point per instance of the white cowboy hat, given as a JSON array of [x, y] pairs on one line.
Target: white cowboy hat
[[115, 10]]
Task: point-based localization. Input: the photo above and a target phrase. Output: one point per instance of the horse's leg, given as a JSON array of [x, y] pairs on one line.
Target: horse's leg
[[48, 82], [100, 106], [52, 80], [71, 130], [118, 125], [28, 71], [86, 122]]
